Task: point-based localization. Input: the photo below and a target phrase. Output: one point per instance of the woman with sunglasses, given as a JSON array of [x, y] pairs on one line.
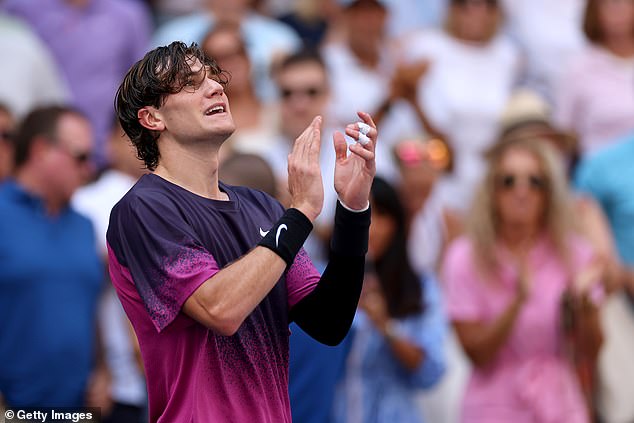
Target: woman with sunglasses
[[399, 330], [505, 282]]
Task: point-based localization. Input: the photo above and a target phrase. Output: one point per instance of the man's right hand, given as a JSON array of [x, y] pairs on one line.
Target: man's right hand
[[304, 174]]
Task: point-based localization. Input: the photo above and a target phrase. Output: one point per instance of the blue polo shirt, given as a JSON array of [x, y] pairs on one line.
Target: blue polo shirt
[[50, 280], [607, 176]]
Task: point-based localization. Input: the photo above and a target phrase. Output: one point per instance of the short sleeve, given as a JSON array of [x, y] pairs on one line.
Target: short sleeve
[[161, 252], [463, 290]]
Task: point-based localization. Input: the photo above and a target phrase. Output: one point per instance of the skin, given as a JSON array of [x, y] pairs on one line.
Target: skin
[[473, 20], [52, 172], [616, 18], [298, 110], [189, 144], [225, 46], [7, 124], [520, 211], [365, 31]]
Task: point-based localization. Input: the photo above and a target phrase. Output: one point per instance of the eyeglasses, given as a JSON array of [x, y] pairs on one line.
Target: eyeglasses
[[509, 182], [311, 92], [80, 157], [489, 3]]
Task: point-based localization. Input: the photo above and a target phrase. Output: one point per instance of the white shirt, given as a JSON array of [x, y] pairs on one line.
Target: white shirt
[[549, 34], [464, 93], [95, 201]]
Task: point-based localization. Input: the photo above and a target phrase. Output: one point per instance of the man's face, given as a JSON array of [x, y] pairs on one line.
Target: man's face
[[199, 112], [67, 160], [304, 94], [365, 22]]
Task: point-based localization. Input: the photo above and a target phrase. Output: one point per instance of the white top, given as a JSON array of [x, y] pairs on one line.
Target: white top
[[95, 201], [596, 98], [549, 34], [28, 72], [356, 87], [427, 235], [464, 93]]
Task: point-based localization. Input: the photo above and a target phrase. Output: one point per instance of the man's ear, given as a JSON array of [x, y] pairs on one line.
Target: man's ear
[[150, 118]]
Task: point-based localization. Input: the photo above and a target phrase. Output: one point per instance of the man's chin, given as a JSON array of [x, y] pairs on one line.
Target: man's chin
[[225, 133]]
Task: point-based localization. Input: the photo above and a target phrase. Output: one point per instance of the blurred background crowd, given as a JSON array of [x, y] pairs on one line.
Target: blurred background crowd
[[500, 277]]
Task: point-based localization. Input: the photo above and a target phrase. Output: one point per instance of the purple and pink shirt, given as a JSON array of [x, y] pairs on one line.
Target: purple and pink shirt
[[163, 243], [530, 379]]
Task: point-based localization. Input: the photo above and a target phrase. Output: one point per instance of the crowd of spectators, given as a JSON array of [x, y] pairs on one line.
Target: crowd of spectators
[[501, 276]]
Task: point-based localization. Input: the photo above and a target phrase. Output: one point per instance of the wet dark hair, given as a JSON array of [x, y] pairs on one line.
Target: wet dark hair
[[162, 71], [399, 282]]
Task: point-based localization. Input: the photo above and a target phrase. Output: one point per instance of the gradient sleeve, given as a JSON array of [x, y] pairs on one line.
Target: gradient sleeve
[[166, 262]]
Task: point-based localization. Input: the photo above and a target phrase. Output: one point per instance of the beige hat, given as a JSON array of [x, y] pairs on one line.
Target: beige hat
[[528, 115]]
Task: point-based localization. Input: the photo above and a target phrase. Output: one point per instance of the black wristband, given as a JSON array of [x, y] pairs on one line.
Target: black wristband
[[350, 233], [287, 236]]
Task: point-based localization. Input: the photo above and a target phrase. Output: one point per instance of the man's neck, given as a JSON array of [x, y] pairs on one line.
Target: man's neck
[[194, 169], [33, 184]]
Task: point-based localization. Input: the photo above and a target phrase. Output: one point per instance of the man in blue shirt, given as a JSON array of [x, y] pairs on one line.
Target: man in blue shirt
[[50, 273]]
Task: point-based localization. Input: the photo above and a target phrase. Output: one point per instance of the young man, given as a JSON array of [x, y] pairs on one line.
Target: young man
[[211, 275]]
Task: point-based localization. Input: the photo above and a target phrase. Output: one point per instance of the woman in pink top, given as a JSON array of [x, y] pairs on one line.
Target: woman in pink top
[[594, 97], [504, 285]]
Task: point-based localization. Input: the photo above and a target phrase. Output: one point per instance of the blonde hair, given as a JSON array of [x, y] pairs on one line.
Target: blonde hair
[[483, 221]]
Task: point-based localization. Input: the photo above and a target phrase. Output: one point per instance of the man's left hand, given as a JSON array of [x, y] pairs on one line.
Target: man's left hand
[[354, 173]]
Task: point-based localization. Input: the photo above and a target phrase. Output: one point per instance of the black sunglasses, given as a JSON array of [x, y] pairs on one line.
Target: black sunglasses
[[311, 92], [508, 182], [80, 157]]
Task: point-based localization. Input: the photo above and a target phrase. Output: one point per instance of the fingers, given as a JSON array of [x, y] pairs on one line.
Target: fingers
[[309, 141], [364, 132], [365, 117], [300, 140], [362, 152], [341, 146]]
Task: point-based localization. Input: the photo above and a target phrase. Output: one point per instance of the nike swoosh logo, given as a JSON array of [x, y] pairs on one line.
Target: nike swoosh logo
[[279, 231], [263, 233]]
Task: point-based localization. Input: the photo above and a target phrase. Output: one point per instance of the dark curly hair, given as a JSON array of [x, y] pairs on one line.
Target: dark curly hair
[[162, 71]]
